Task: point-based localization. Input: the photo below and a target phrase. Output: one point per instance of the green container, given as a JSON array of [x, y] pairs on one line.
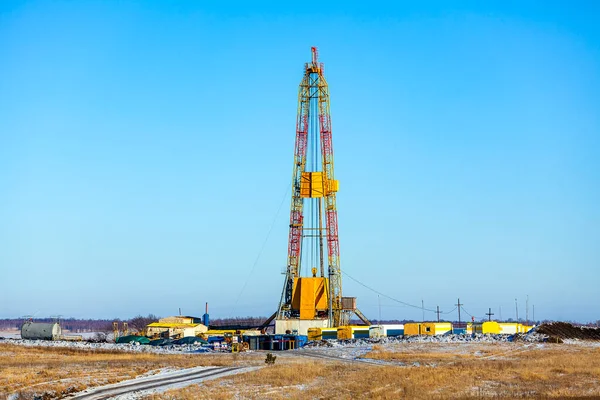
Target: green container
[[190, 340], [133, 339]]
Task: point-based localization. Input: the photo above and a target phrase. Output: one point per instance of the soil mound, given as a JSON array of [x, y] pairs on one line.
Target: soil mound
[[564, 330]]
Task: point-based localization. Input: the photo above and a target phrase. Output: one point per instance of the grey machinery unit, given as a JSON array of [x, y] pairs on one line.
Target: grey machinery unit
[[41, 330]]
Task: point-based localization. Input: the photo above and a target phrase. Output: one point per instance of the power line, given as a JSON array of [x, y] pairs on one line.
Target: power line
[[385, 295], [466, 312], [262, 247], [470, 315]]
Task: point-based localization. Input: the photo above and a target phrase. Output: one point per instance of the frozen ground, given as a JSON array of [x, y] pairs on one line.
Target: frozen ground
[[11, 334], [476, 345], [157, 382], [347, 349]]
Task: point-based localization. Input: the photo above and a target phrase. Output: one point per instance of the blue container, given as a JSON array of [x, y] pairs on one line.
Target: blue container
[[395, 332], [301, 340], [253, 342], [361, 334], [329, 335], [212, 339]]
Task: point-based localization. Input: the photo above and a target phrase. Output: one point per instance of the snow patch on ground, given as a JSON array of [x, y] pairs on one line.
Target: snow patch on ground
[[451, 338], [126, 347], [165, 372]]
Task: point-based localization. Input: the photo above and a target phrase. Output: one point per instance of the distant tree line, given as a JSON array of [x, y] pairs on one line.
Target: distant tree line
[[135, 324], [139, 322], [74, 325], [247, 321], [71, 324]]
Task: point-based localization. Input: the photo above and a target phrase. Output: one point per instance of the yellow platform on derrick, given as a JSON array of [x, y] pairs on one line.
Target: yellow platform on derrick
[[309, 296]]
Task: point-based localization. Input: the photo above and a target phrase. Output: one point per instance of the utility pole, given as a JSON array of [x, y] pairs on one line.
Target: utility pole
[[527, 310], [438, 313], [423, 309], [517, 310], [534, 313], [379, 299], [458, 305], [500, 309], [489, 314]]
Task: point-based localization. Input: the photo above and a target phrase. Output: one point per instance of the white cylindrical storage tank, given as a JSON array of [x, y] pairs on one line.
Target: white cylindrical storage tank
[[40, 331]]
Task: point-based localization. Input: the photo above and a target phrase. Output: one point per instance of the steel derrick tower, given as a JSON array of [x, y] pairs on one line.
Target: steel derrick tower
[[313, 212]]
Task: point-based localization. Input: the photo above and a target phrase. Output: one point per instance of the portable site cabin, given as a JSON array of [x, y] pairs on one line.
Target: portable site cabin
[[488, 327], [436, 328], [526, 328], [352, 332], [176, 327], [314, 334], [508, 327], [513, 327], [493, 327], [412, 329], [322, 333], [427, 328], [389, 330]]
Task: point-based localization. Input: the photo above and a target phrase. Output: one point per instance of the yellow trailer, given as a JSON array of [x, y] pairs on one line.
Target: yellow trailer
[[315, 334], [352, 332], [412, 328], [435, 328], [488, 327], [524, 328]]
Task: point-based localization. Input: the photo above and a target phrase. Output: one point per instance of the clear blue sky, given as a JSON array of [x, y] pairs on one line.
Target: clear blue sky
[[146, 147]]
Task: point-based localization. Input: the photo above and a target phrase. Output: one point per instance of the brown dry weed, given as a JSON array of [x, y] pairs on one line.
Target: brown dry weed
[[412, 371], [444, 371], [54, 372]]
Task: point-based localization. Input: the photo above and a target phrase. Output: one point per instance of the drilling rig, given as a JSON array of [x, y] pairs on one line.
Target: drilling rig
[[312, 291]]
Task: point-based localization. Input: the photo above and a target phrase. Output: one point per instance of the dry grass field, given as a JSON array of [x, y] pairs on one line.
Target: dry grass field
[[443, 371], [408, 370], [55, 372]]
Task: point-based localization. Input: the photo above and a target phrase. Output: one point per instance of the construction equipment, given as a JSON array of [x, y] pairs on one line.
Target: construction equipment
[[313, 301], [123, 332]]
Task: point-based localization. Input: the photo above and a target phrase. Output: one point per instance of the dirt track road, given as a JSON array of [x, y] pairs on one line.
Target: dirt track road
[[161, 381]]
